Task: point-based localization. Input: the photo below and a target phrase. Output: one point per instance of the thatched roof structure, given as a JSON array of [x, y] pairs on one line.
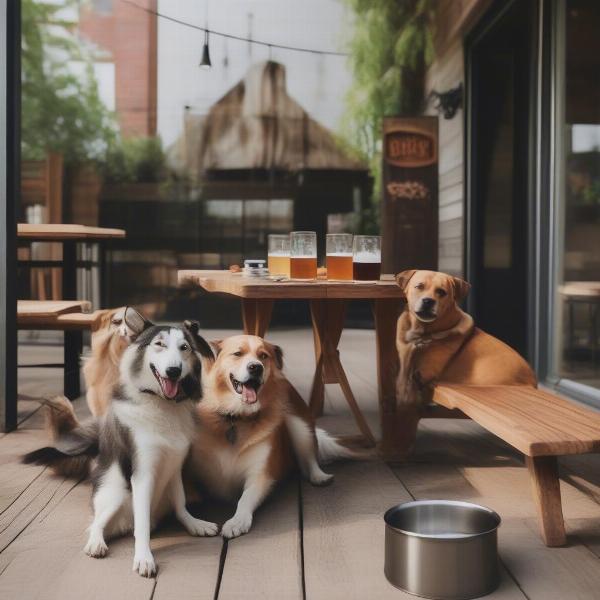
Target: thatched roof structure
[[258, 125]]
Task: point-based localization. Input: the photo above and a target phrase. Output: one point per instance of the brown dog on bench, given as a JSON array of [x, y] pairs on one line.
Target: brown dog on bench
[[438, 342]]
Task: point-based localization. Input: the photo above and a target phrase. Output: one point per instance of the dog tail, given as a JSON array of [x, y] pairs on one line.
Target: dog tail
[[332, 448], [75, 444]]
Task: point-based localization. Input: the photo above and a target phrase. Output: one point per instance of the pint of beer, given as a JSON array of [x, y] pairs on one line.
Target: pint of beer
[[366, 264], [339, 256], [278, 256], [303, 255]]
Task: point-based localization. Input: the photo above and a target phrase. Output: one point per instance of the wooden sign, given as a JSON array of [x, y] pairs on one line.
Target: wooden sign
[[410, 194]]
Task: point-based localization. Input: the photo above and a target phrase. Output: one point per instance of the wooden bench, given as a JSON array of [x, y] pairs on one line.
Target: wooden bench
[[68, 316], [539, 424]]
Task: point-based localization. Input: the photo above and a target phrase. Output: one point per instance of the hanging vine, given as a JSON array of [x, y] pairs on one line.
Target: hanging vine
[[390, 47]]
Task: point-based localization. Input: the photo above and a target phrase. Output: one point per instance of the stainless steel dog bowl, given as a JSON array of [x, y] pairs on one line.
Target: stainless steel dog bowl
[[442, 549]]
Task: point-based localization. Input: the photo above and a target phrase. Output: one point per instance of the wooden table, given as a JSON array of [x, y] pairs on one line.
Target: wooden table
[[583, 292], [69, 235], [328, 300]]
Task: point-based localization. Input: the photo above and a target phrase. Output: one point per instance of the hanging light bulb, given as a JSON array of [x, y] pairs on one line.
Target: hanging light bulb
[[205, 62]]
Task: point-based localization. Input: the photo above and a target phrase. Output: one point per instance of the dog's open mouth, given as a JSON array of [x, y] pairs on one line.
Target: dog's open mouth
[[247, 389], [169, 387]]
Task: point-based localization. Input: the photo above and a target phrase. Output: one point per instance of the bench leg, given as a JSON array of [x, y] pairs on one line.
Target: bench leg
[[73, 346], [543, 472]]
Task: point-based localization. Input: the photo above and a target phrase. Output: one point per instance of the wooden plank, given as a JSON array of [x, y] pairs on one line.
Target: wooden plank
[[188, 567], [344, 533], [534, 421], [266, 563], [225, 282], [53, 546], [49, 308], [451, 461], [66, 231]]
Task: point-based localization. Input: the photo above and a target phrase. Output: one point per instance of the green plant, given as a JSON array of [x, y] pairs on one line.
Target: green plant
[[134, 160], [390, 47], [61, 110]]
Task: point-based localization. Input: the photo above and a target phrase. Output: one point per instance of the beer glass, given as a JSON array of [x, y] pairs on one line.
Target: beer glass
[[303, 255], [367, 257], [278, 255], [339, 255]]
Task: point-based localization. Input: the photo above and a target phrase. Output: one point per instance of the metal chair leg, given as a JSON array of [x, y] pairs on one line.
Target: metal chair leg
[[73, 347]]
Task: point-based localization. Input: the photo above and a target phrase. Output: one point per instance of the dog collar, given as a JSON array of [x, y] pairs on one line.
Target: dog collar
[[231, 431]]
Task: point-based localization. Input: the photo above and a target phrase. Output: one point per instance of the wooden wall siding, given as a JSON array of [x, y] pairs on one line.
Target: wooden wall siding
[[454, 18], [446, 72]]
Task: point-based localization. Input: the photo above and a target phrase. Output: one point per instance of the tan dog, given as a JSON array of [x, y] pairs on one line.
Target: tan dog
[[438, 342], [253, 426], [109, 342]]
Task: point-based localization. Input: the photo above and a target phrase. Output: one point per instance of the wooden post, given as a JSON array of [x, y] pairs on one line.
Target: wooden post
[[393, 443], [545, 485]]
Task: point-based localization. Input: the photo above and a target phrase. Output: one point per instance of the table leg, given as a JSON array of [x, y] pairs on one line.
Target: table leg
[[69, 275], [396, 437], [73, 344], [256, 315], [328, 322]]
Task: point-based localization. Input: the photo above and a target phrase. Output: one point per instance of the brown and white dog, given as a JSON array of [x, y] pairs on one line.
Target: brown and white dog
[[253, 427], [117, 329], [438, 342]]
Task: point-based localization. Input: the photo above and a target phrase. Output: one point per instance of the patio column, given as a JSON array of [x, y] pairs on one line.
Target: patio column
[[10, 76]]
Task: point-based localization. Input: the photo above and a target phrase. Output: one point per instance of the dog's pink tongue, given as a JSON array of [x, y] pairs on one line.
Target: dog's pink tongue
[[170, 388], [248, 394]]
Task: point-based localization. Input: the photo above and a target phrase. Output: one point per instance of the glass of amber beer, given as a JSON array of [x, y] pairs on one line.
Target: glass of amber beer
[[366, 264], [339, 255], [278, 256], [303, 255]]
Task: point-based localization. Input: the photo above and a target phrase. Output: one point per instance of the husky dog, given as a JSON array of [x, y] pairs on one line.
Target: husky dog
[[142, 441]]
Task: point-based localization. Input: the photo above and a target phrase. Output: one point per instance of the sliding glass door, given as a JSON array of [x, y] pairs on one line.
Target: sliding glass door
[[575, 324]]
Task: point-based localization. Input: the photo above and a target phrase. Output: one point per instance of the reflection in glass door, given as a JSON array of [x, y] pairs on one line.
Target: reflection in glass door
[[577, 316]]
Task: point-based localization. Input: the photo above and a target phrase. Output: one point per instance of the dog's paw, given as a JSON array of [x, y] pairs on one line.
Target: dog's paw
[[143, 563], [96, 548], [239, 524], [320, 478], [201, 528]]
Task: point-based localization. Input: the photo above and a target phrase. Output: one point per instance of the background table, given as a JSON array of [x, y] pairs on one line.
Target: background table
[[328, 300], [69, 235]]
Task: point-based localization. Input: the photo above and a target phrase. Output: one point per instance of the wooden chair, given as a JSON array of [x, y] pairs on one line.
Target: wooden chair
[[67, 316], [539, 424]]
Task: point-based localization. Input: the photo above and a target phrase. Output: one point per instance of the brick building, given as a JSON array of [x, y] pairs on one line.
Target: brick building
[[127, 37]]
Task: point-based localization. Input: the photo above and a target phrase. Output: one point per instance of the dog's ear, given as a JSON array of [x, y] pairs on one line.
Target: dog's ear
[[403, 278], [217, 346], [461, 288], [200, 344], [278, 355], [136, 320]]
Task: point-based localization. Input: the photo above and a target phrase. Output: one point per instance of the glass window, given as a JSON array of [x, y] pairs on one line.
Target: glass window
[[577, 352]]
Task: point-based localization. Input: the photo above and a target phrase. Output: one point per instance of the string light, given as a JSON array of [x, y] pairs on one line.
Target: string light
[[231, 36], [205, 62]]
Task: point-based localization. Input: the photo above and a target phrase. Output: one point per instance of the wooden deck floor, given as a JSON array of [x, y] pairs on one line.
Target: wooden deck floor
[[306, 542]]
